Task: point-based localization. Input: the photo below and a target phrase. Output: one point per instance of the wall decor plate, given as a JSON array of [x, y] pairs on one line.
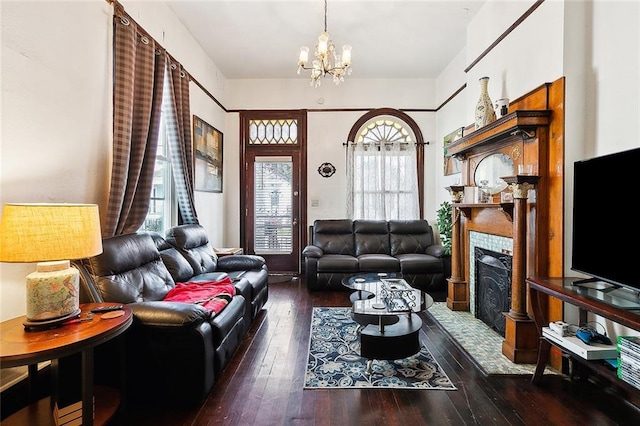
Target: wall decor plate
[[326, 170]]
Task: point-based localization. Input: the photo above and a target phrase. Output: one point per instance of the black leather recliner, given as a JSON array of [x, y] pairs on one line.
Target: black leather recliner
[[174, 350]]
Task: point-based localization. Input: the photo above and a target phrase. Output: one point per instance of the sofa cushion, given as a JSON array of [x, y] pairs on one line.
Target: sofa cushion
[[410, 236], [337, 263], [176, 263], [129, 270], [334, 236], [371, 236], [192, 241], [415, 263], [378, 263]]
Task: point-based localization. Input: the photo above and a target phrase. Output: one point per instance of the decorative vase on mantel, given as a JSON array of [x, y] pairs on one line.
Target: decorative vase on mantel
[[484, 108]]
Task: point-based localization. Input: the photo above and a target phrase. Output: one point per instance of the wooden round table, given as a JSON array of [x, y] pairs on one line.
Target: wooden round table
[[29, 347]]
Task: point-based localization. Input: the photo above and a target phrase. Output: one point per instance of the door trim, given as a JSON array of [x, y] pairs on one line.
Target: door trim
[[301, 116]]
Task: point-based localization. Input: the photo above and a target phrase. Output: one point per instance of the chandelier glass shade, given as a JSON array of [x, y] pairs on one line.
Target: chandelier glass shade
[[327, 61]]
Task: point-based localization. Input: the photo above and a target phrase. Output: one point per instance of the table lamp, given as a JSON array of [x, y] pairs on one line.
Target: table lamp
[[52, 235]]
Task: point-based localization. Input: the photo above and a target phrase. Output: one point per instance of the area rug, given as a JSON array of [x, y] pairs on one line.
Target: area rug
[[334, 360], [482, 343]]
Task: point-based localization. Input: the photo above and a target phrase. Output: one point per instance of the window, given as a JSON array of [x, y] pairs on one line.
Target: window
[[384, 162], [272, 195], [162, 206]]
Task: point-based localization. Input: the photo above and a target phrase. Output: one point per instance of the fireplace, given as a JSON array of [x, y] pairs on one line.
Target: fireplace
[[533, 225], [493, 287]]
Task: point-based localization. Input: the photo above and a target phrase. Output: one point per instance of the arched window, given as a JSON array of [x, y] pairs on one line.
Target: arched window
[[385, 167]]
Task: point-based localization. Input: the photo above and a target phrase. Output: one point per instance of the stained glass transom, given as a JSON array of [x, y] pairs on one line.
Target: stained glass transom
[[273, 132]]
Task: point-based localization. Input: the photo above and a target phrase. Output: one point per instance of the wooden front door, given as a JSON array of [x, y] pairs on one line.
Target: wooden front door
[[274, 179]]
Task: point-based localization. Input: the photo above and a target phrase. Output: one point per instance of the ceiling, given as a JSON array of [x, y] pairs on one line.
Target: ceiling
[[391, 39]]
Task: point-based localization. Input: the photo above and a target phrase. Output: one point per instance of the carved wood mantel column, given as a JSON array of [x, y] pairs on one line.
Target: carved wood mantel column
[[457, 299], [519, 345]]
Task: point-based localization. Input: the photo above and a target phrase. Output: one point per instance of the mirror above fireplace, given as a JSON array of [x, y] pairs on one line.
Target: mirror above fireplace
[[490, 168]]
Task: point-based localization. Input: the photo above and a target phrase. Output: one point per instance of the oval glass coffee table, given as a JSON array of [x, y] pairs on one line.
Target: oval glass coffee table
[[386, 307]]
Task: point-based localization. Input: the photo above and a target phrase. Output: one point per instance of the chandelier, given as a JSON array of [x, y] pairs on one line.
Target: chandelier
[[326, 61]]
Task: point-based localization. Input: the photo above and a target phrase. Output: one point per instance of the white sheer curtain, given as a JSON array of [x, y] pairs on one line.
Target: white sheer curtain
[[382, 181]]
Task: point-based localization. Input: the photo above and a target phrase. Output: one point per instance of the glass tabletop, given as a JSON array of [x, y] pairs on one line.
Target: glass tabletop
[[385, 294]]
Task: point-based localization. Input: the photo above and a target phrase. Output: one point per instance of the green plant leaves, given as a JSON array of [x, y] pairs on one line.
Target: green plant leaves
[[444, 222]]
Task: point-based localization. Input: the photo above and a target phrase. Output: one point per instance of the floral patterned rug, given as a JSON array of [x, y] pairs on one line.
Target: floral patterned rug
[[334, 360]]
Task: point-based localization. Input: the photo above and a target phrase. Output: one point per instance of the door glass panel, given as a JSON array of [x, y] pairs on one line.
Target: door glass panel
[[273, 223], [273, 132]]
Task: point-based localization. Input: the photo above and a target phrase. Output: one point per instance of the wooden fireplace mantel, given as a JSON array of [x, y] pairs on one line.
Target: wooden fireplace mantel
[[516, 123], [531, 133], [465, 209]]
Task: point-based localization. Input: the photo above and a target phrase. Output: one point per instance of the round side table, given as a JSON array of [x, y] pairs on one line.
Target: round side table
[[29, 347]]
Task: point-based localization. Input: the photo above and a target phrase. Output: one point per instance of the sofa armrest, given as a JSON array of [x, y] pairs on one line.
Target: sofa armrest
[[435, 250], [312, 251], [168, 314], [240, 262]]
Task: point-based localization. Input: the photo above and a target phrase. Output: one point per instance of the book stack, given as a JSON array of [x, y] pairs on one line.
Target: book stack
[[629, 360]]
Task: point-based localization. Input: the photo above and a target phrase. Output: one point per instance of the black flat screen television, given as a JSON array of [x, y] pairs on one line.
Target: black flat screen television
[[606, 229]]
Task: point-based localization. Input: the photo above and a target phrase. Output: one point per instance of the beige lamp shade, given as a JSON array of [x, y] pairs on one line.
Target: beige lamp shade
[[43, 232], [50, 234]]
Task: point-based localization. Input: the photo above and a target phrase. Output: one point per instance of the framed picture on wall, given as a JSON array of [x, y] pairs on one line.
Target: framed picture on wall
[[208, 162], [452, 165]]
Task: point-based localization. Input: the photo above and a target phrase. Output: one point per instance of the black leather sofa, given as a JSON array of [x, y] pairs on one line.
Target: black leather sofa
[[174, 350], [342, 247]]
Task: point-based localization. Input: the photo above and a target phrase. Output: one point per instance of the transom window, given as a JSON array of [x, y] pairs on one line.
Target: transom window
[[273, 132], [385, 130]]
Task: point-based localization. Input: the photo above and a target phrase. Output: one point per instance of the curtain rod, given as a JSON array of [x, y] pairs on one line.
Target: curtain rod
[[385, 143]]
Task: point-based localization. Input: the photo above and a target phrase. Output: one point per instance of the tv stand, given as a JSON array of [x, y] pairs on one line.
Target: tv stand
[[564, 288], [596, 284]]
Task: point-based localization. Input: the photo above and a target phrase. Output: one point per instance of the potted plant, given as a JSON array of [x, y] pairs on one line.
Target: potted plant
[[444, 223], [444, 226]]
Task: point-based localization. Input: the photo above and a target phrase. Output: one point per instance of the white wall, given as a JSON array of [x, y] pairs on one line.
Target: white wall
[[602, 110], [328, 130], [56, 105], [57, 109]]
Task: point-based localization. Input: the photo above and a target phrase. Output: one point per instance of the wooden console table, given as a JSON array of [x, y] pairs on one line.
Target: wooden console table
[[563, 288], [21, 347]]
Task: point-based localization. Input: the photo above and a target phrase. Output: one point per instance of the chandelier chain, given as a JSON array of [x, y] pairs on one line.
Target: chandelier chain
[[325, 16]]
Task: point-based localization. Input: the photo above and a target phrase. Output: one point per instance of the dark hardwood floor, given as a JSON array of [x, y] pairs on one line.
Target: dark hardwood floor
[[263, 385]]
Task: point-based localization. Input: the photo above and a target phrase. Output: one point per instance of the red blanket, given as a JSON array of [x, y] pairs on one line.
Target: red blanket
[[212, 295]]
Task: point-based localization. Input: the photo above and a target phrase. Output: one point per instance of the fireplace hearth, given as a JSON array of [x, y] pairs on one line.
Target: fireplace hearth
[[493, 287]]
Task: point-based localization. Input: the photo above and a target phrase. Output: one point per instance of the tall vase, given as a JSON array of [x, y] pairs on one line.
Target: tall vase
[[484, 108]]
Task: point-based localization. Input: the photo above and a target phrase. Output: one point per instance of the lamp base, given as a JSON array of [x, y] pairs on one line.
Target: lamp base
[[53, 291], [30, 325]]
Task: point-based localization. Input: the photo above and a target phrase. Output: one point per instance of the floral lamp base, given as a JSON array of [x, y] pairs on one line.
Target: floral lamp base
[[53, 292]]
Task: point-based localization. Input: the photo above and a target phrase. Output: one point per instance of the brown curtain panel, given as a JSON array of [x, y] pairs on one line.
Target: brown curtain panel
[[137, 100], [178, 122]]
